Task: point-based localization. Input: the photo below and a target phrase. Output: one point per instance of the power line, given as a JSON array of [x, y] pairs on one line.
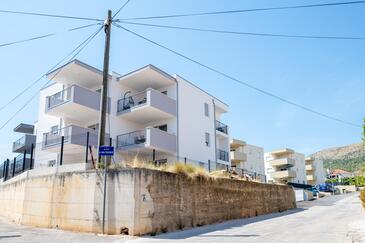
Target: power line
[[120, 9], [242, 82], [246, 33], [36, 81], [246, 10], [78, 49], [46, 35], [48, 15]]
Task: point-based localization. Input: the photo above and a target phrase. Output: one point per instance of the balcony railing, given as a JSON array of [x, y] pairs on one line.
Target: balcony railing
[[221, 127], [59, 98], [19, 143], [222, 155], [132, 138], [132, 101], [54, 138]]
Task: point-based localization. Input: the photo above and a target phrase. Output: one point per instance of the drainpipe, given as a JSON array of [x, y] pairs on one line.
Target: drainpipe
[[215, 135], [177, 121]]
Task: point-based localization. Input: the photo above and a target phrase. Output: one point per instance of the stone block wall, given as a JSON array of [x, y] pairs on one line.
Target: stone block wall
[[140, 200]]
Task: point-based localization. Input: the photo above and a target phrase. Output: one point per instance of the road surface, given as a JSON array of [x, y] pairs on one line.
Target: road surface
[[330, 219]]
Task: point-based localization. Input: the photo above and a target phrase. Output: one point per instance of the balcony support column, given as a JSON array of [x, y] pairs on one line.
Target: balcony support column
[[31, 157], [24, 158], [87, 147], [14, 163], [61, 155]]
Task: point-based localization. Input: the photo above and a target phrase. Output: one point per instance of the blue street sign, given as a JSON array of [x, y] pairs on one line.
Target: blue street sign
[[106, 151]]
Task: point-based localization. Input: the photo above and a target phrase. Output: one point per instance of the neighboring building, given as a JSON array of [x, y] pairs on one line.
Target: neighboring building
[[255, 159], [237, 153], [152, 116], [285, 165], [315, 171], [248, 157], [24, 147], [340, 174]]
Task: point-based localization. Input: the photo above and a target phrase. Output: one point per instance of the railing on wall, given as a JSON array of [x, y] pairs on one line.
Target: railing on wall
[[132, 101], [221, 127], [59, 98]]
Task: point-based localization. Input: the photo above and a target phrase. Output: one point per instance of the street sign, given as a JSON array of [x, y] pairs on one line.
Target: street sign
[[106, 151]]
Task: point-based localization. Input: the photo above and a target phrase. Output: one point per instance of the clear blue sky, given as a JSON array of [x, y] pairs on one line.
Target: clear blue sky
[[325, 75]]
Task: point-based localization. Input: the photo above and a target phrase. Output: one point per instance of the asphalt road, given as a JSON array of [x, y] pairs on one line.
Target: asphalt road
[[330, 219]]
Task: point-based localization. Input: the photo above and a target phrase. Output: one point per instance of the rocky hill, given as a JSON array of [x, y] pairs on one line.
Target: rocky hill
[[350, 157]]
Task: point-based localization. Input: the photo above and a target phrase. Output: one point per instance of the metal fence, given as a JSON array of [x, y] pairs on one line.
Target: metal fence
[[82, 148]]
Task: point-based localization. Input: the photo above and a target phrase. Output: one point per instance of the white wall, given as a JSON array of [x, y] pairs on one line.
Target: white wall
[[44, 123], [319, 171], [255, 159], [299, 168], [193, 124]]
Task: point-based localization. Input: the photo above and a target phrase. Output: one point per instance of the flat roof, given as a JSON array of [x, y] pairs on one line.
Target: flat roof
[[282, 151], [24, 128], [165, 75], [78, 72]]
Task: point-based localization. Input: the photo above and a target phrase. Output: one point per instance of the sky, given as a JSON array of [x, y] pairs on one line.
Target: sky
[[325, 75]]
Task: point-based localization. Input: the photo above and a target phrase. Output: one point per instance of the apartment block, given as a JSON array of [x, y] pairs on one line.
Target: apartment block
[[285, 165], [248, 157], [314, 170], [152, 116]]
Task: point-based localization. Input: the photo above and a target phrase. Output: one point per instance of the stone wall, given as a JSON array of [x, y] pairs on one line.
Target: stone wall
[[140, 200]]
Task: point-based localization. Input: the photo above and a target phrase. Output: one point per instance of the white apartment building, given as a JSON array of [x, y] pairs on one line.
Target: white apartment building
[[315, 171], [152, 116], [248, 157], [285, 165]]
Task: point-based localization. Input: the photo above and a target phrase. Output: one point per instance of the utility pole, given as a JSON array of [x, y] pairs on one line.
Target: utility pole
[[104, 88], [104, 103]]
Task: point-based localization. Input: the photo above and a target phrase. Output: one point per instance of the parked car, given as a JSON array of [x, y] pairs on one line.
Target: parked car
[[313, 190]]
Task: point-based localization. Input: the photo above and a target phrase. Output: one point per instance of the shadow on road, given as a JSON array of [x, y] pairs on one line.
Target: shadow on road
[[200, 231], [9, 236]]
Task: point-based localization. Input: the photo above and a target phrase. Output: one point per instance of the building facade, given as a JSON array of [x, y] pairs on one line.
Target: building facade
[[247, 157], [285, 165], [152, 116], [315, 171]]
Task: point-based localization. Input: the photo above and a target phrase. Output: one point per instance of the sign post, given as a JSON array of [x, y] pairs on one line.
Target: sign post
[[105, 151]]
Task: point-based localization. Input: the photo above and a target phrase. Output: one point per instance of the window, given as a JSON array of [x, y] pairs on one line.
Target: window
[[206, 109], [207, 139], [51, 163], [54, 130]]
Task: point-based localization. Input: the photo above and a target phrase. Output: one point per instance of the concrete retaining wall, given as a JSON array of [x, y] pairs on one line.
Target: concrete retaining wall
[[140, 200]]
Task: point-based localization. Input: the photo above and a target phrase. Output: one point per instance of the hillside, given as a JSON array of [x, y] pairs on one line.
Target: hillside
[[350, 157]]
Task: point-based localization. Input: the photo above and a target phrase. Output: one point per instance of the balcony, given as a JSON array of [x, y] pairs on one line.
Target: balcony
[[311, 177], [24, 143], [149, 138], [283, 174], [222, 155], [75, 103], [309, 167], [285, 162], [147, 106], [237, 156], [221, 127], [74, 137]]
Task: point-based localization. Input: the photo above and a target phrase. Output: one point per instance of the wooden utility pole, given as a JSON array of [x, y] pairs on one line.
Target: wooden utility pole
[[104, 103], [104, 88]]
